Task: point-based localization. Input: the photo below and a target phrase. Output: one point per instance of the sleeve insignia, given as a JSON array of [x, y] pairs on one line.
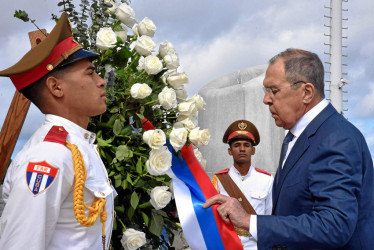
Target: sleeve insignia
[[40, 176]]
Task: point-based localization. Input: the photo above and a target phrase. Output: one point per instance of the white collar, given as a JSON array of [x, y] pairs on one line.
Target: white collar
[[71, 127], [304, 121]]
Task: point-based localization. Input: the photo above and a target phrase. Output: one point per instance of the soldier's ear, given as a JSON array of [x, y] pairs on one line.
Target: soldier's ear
[[229, 151], [253, 150], [53, 85]]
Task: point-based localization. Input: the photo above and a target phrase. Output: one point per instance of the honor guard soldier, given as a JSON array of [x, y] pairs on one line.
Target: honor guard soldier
[[57, 191], [251, 186]]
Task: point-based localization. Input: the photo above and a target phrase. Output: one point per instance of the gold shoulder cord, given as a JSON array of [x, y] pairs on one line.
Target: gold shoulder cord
[[78, 198]]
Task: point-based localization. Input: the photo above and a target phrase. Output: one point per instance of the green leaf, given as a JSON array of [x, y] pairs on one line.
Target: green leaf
[[157, 223], [145, 218], [141, 117], [114, 110], [120, 209], [131, 212], [117, 127], [123, 153], [21, 14], [128, 178], [139, 166], [124, 184], [126, 130], [134, 200], [103, 143], [117, 180]]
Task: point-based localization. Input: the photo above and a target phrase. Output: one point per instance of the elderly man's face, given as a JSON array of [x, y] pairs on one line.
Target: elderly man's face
[[286, 105]]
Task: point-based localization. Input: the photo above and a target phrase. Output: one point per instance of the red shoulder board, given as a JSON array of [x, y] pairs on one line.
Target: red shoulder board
[[262, 171], [57, 134], [223, 171]]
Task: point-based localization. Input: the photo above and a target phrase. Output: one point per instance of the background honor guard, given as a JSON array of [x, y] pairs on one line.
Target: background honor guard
[[251, 186], [57, 191]]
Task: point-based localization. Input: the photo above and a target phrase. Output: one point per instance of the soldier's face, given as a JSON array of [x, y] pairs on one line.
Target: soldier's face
[[84, 94], [241, 151]]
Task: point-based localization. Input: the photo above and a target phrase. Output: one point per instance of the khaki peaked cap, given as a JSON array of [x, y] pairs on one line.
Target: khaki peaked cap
[[242, 129]]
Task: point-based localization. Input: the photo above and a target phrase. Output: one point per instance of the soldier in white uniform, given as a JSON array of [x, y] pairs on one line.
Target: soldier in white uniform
[[251, 186], [57, 191]]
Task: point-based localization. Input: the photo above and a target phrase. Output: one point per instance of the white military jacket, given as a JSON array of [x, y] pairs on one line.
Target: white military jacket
[[38, 191], [257, 187]]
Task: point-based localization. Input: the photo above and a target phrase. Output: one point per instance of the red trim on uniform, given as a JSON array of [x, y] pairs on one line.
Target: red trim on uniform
[[241, 132], [223, 171], [26, 78], [57, 134], [147, 125], [262, 171]]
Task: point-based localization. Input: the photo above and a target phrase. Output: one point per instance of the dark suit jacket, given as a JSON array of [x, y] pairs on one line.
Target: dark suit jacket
[[324, 198]]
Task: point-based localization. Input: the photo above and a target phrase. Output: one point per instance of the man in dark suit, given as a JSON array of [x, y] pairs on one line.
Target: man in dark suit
[[323, 192]]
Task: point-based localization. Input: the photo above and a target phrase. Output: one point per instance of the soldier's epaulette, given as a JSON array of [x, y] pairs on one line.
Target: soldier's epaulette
[[262, 171], [223, 171], [57, 134]]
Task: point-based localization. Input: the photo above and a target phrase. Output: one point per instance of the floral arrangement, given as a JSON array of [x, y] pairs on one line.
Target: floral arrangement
[[147, 108]]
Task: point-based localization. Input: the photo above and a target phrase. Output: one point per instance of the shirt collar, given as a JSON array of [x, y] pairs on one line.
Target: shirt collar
[[303, 122], [71, 127]]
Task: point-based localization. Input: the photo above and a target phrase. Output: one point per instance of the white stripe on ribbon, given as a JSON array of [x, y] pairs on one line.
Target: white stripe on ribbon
[[187, 216]]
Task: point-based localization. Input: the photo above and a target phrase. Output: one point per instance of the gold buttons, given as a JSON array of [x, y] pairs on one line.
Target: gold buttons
[[240, 199], [101, 193], [259, 197], [242, 178], [60, 129], [49, 67], [85, 135]]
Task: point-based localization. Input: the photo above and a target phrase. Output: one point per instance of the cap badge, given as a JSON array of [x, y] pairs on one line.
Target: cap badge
[[242, 125]]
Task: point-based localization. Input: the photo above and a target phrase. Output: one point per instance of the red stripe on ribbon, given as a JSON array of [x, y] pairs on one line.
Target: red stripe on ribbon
[[147, 125]]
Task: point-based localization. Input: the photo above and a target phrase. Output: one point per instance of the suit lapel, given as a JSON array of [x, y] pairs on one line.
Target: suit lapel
[[301, 145]]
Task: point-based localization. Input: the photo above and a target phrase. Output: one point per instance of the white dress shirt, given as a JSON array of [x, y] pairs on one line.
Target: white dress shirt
[[46, 220]]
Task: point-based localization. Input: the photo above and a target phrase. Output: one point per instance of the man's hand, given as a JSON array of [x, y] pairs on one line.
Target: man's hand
[[230, 210]]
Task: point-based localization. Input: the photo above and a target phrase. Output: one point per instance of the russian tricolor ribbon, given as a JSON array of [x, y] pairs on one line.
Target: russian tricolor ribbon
[[203, 227]]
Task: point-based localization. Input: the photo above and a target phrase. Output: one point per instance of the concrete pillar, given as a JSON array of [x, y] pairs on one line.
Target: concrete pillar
[[239, 96]]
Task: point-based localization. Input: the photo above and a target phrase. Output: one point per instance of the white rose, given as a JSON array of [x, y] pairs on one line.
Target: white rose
[[199, 101], [140, 90], [146, 27], [178, 137], [155, 138], [122, 33], [125, 14], [171, 60], [200, 158], [152, 65], [181, 93], [135, 29], [112, 9], [144, 45], [159, 161], [167, 98], [133, 239], [199, 137], [187, 122], [176, 79], [106, 38], [187, 108], [140, 66], [165, 48], [160, 197]]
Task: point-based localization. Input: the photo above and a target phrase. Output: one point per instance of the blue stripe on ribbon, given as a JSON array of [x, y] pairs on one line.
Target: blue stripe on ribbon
[[204, 216]]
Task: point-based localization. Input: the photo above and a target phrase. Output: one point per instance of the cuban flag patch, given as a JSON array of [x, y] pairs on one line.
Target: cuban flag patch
[[40, 176]]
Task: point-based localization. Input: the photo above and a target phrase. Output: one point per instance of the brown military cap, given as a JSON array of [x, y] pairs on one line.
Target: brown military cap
[[242, 129], [58, 48]]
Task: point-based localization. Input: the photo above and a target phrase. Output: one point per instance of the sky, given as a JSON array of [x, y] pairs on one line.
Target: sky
[[217, 37]]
